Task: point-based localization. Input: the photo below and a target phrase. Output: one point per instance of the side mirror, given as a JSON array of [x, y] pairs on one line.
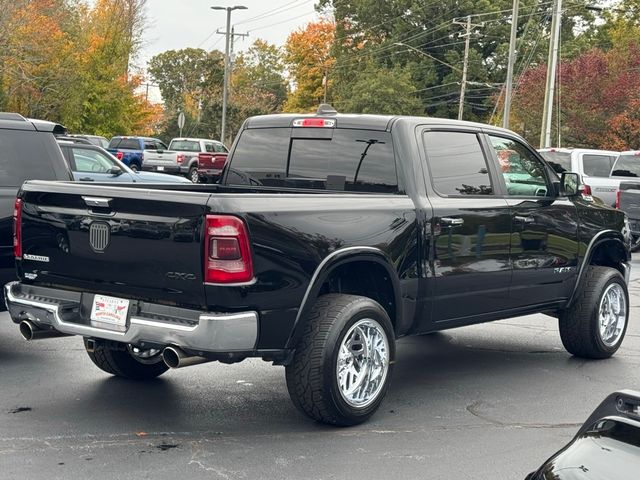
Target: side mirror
[[569, 184], [115, 170]]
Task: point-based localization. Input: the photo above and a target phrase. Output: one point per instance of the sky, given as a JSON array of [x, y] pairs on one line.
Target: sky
[[176, 24]]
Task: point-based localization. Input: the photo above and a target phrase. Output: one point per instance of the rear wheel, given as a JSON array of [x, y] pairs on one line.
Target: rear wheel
[[134, 167], [124, 360], [193, 175], [595, 325], [342, 365]]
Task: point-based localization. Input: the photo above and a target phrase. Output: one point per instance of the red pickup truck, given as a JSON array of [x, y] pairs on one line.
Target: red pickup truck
[[210, 164]]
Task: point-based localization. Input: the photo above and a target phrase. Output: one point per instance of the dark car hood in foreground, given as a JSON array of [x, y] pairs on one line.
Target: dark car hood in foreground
[[607, 447]]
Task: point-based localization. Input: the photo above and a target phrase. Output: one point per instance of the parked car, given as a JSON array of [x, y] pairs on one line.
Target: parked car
[[28, 150], [594, 166], [131, 150], [607, 446], [183, 158], [93, 139], [90, 163], [328, 237], [627, 170]]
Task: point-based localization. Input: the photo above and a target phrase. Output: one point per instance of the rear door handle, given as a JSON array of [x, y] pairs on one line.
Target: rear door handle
[[523, 219], [451, 221]]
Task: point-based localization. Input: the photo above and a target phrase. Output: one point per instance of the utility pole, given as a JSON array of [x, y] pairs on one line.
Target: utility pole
[[545, 131], [225, 86], [463, 84], [512, 60], [325, 82], [233, 35]]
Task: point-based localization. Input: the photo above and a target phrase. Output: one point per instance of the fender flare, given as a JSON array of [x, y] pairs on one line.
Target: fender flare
[[332, 261], [597, 240]]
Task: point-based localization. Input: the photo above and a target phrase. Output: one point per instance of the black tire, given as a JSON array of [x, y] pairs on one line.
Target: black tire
[[115, 358], [312, 379], [193, 175], [135, 167], [579, 324], [635, 244]]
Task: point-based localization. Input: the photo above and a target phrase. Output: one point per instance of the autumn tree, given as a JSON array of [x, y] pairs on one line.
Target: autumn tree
[[309, 61]]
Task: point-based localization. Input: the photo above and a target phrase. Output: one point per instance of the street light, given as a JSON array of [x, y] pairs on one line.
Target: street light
[[225, 86]]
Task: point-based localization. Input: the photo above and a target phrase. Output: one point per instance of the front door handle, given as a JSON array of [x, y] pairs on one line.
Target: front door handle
[[86, 179], [451, 221], [523, 219]]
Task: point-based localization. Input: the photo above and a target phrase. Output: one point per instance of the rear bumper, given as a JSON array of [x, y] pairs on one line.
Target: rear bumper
[[148, 323], [209, 172], [161, 168]]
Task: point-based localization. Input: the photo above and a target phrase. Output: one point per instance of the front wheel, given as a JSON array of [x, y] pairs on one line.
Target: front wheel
[[595, 325], [342, 365], [124, 360]]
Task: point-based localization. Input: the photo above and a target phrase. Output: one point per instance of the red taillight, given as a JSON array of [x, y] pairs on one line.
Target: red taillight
[[585, 189], [180, 158], [618, 199], [227, 252], [314, 122], [119, 155], [17, 228]]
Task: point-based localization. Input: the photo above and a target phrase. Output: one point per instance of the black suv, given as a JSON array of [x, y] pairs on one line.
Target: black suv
[[28, 150]]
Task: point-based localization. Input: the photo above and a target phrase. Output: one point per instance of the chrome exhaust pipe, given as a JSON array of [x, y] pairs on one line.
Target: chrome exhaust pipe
[[175, 357], [30, 331]]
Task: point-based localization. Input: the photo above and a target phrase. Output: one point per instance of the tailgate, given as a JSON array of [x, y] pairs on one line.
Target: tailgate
[[212, 161], [630, 203], [125, 242], [166, 158]]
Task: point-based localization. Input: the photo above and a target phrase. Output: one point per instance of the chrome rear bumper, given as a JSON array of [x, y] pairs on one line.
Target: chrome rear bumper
[[152, 323]]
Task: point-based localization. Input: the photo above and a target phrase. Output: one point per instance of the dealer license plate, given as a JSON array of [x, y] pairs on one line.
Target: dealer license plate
[[110, 312], [161, 169]]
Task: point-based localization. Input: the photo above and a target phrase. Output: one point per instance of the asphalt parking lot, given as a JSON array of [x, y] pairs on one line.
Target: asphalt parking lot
[[490, 401]]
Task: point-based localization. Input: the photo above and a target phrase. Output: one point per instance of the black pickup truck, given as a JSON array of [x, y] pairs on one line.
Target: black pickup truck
[[329, 237]]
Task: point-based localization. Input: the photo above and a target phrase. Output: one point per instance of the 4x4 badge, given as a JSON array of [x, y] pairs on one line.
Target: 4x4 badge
[[99, 236]]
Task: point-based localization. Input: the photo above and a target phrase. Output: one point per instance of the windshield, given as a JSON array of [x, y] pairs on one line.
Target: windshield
[[184, 145], [559, 161]]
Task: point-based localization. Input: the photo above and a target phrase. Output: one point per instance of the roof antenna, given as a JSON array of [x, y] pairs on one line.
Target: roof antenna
[[326, 109]]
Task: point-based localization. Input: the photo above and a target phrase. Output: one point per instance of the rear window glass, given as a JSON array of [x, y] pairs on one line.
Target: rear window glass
[[627, 166], [27, 156], [184, 145], [125, 143], [597, 165], [457, 163], [340, 160], [559, 161]]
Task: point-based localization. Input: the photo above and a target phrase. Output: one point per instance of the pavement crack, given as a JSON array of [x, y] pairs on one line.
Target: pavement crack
[[473, 409]]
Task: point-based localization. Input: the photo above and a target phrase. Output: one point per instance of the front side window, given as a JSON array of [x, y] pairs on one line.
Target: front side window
[[523, 173], [90, 161], [627, 166], [457, 163], [597, 165], [340, 160]]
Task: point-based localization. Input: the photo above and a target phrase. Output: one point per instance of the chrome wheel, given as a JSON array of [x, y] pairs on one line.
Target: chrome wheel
[[193, 176], [363, 363], [612, 314]]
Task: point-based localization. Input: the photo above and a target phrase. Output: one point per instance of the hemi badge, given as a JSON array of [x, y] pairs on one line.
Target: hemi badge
[[36, 258]]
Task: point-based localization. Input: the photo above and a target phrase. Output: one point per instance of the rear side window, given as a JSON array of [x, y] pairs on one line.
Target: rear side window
[[340, 160], [597, 165], [457, 163], [559, 161], [150, 146], [125, 143], [627, 166], [27, 155], [209, 147], [220, 148], [184, 145]]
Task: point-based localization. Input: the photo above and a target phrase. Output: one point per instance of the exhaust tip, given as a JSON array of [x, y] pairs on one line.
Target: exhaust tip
[[171, 357], [26, 329]]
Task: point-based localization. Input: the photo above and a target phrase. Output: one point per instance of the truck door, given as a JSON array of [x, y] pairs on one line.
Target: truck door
[[471, 227], [544, 248]]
